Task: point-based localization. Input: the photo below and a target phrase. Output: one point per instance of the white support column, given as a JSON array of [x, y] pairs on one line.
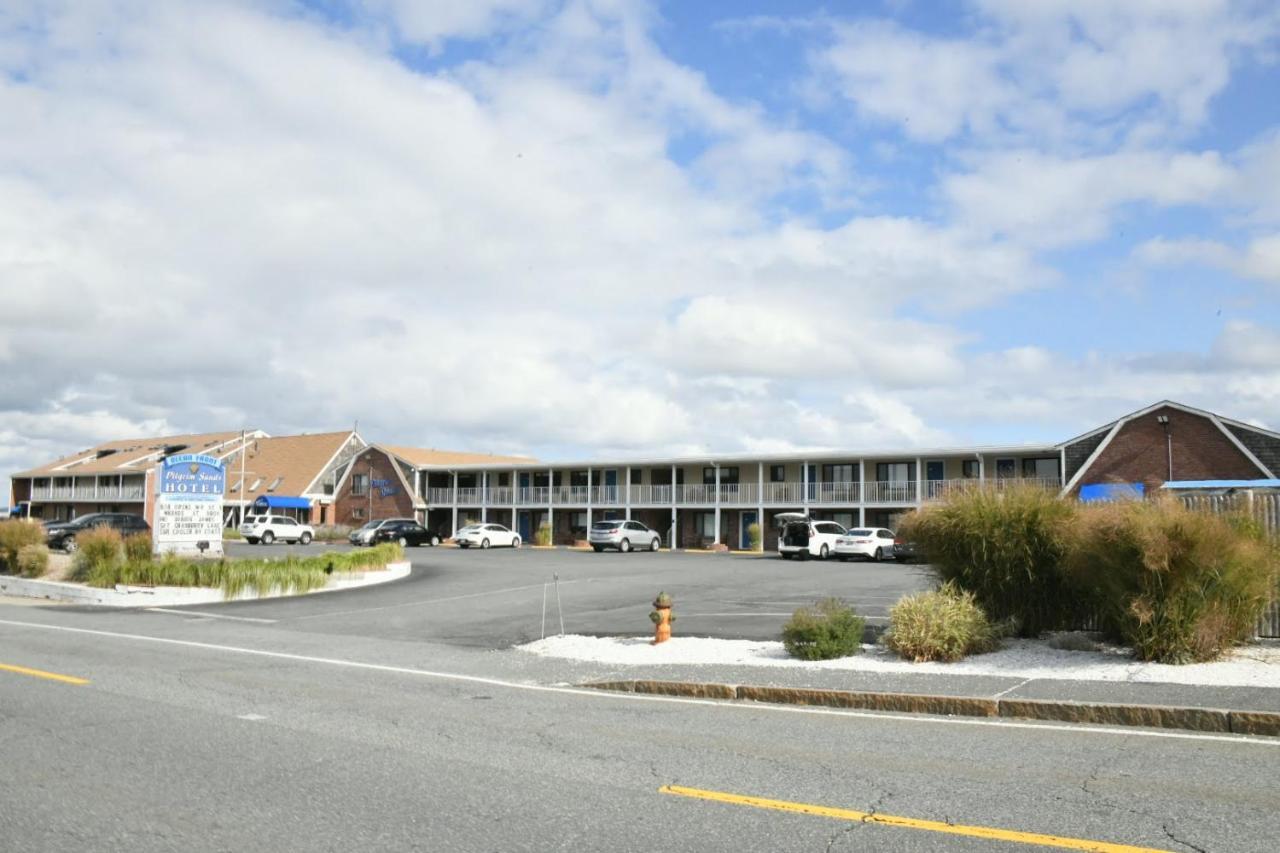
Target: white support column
[[760, 501], [589, 499], [515, 518], [551, 504], [675, 513], [919, 481], [862, 493], [804, 485], [454, 501], [417, 494], [982, 470], [627, 492], [717, 538], [484, 496]]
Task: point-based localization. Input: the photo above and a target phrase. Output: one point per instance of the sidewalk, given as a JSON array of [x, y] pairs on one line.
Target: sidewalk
[[923, 689]]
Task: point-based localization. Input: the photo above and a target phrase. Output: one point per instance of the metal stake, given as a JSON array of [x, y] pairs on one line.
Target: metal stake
[[544, 611], [559, 609]]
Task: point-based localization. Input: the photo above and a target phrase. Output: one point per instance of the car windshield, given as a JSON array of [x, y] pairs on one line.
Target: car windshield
[[83, 519], [369, 525], [470, 528], [859, 532], [606, 525]]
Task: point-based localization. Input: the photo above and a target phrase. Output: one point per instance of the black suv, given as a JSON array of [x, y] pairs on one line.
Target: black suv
[[63, 534], [406, 533]]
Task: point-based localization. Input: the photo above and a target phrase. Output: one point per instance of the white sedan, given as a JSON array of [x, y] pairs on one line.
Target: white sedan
[[869, 543], [486, 536]]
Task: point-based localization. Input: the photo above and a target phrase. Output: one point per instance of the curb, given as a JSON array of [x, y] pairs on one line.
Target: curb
[[1220, 720]]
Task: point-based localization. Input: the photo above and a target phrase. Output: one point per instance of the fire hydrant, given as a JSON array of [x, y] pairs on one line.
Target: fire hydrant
[[661, 617]]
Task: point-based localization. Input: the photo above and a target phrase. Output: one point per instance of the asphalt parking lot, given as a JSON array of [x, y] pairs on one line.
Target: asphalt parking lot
[[494, 598]]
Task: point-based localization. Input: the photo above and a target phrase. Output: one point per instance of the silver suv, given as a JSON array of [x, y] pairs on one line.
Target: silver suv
[[623, 535]]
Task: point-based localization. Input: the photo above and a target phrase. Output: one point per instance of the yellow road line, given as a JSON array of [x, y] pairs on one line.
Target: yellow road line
[[910, 822], [40, 673]]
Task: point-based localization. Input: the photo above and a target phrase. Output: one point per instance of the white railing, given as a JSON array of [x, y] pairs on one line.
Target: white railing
[[739, 494], [608, 495], [791, 494], [87, 493], [695, 494], [889, 492], [836, 493], [469, 497], [651, 495], [941, 489]]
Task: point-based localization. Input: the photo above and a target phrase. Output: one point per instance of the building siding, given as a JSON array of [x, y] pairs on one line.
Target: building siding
[[1265, 447], [1078, 453]]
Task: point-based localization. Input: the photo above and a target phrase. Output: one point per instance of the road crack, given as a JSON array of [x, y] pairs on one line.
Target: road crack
[[1183, 842]]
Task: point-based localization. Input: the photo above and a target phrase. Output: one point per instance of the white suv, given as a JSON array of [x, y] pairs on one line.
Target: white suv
[[268, 528], [803, 537]]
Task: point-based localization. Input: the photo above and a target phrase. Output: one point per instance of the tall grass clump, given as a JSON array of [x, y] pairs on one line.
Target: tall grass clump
[[829, 629], [99, 556], [1006, 547], [755, 536], [32, 561], [14, 536], [542, 536], [945, 624], [1175, 584], [137, 547]]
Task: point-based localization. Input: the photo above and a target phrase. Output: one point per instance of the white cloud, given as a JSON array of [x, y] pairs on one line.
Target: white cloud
[[1259, 259]]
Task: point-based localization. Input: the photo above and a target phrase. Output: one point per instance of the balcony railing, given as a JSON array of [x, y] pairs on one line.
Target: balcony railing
[[82, 492], [730, 494]]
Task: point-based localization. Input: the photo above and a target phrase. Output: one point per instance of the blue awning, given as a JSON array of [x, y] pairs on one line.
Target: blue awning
[[1222, 484], [281, 502], [1111, 492]]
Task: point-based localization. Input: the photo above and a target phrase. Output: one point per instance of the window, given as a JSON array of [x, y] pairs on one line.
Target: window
[[969, 469], [707, 525], [637, 476], [237, 486], [777, 473], [256, 484], [274, 483], [1045, 468], [504, 480], [578, 521], [839, 473], [729, 475], [895, 472], [1006, 469], [357, 512], [577, 478], [359, 484], [708, 476]]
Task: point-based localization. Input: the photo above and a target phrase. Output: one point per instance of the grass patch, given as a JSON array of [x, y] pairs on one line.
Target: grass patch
[[1007, 548], [102, 568], [829, 629], [1177, 585], [945, 624], [542, 536], [14, 536], [32, 561]]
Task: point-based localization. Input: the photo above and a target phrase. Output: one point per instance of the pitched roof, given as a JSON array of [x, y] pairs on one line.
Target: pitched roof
[[282, 465], [423, 457], [132, 455]]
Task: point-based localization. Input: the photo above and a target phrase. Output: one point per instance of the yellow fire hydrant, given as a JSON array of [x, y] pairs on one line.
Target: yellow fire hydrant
[[661, 617]]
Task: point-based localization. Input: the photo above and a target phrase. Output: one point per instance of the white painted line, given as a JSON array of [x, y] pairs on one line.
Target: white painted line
[[204, 615], [424, 601], [253, 718], [676, 700], [1013, 688]]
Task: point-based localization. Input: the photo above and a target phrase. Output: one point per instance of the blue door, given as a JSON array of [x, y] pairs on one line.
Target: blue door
[[611, 485], [526, 534], [748, 519]]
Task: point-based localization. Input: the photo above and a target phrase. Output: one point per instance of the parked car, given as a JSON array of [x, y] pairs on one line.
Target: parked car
[[268, 528], [406, 533], [486, 535], [905, 552], [368, 534], [623, 535], [869, 543], [802, 536], [63, 534]]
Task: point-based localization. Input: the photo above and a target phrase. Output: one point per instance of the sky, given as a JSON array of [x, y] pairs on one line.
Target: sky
[[573, 228]]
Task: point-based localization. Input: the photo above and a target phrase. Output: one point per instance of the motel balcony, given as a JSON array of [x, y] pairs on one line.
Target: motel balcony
[[871, 493], [87, 492]]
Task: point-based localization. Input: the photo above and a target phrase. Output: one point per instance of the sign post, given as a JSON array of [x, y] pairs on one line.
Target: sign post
[[188, 517]]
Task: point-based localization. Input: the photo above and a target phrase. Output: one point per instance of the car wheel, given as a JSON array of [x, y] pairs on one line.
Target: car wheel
[[655, 544], [304, 539], [624, 546], [252, 541], [515, 543], [484, 543], [823, 553], [879, 554], [69, 544], [435, 540], [402, 542], [268, 538]]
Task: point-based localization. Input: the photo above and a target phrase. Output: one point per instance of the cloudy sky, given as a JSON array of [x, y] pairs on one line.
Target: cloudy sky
[[569, 227]]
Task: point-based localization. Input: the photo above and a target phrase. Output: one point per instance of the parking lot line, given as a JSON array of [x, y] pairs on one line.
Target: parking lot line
[[40, 673], [990, 832], [427, 601]]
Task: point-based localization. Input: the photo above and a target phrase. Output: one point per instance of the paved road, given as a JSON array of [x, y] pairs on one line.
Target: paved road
[[391, 718], [494, 598]]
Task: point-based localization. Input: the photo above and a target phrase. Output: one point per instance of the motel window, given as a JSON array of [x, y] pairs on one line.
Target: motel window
[[504, 480], [1006, 469], [274, 483], [839, 474], [256, 483], [1045, 468], [728, 476], [577, 478], [707, 525], [709, 476], [895, 472], [357, 512], [237, 486], [637, 476], [777, 473], [578, 522], [359, 484], [969, 469]]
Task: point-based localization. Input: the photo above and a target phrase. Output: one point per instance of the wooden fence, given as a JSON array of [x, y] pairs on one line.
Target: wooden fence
[[1265, 508]]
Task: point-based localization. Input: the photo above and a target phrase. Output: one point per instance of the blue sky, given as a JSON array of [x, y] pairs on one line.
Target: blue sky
[[568, 227]]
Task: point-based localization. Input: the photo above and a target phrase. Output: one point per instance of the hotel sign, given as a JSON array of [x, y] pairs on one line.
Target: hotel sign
[[188, 517]]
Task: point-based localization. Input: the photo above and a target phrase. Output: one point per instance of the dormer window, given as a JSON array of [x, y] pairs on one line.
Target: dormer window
[[256, 483], [274, 483]]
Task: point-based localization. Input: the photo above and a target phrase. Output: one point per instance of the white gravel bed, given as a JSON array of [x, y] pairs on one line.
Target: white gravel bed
[[1250, 666]]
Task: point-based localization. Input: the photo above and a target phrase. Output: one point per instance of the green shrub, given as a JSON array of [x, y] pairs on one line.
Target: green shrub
[[99, 553], [231, 534], [543, 534], [944, 625], [137, 547], [1007, 548], [14, 536], [755, 536], [32, 561], [1175, 584], [828, 629], [332, 533]]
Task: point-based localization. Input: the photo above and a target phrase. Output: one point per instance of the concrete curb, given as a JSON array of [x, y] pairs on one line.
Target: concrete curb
[[176, 596], [1093, 713]]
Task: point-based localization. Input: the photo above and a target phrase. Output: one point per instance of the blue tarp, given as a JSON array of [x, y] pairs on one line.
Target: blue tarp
[[1222, 484], [1111, 492], [281, 502]]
